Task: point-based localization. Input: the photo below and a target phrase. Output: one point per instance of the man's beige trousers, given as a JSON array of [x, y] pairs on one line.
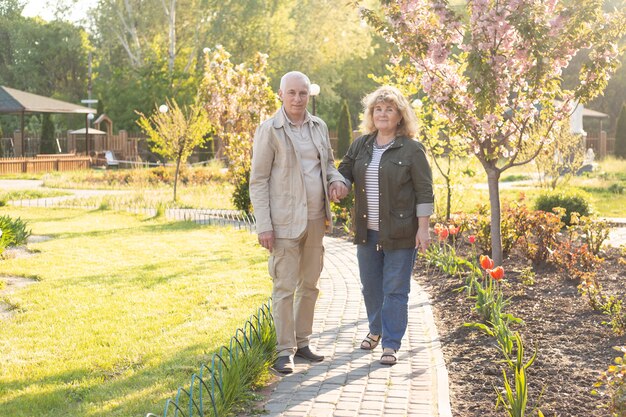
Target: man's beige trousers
[[296, 265]]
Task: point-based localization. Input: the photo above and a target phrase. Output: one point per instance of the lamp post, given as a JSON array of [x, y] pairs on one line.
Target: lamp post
[[88, 119], [314, 90]]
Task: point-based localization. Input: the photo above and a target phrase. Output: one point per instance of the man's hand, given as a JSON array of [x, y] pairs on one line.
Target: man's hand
[[337, 191], [266, 239]]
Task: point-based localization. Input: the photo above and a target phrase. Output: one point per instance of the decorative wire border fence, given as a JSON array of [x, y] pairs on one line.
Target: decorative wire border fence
[[192, 402], [219, 217]]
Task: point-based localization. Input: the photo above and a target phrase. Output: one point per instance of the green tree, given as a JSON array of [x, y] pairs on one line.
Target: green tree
[[146, 51], [49, 59], [11, 8], [620, 134], [344, 130], [47, 145], [174, 132], [135, 62], [561, 158], [236, 99], [45, 58]]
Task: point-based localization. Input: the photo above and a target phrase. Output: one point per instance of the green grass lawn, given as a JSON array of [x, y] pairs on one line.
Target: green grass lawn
[[124, 311], [471, 191], [200, 187], [29, 194]]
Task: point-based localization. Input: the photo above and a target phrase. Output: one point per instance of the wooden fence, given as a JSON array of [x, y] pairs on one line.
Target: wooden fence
[[601, 144], [44, 163]]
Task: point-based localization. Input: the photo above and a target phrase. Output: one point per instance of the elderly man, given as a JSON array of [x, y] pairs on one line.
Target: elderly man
[[293, 177]]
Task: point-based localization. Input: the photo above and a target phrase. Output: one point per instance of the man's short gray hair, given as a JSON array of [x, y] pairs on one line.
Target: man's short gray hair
[[294, 74]]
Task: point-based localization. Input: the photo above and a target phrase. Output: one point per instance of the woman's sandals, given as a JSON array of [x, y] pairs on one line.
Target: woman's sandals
[[369, 343], [389, 357]]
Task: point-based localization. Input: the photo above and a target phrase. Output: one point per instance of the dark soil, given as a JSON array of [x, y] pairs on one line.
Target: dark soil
[[573, 346]]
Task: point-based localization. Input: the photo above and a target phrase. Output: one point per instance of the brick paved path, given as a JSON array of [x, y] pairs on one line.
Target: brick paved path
[[350, 381]]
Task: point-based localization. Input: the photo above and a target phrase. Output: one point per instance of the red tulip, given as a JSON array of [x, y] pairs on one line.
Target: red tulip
[[486, 262], [497, 273], [472, 239], [453, 230], [437, 229], [443, 234]]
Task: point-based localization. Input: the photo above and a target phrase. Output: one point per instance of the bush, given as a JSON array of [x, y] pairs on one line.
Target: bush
[[571, 201], [536, 231], [14, 231], [508, 234], [344, 130], [241, 195]]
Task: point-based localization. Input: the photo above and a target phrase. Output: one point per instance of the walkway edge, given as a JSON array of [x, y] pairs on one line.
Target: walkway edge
[[442, 388]]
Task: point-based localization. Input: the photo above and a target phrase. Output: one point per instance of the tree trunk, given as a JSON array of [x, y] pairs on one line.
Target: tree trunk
[[493, 180], [171, 20], [176, 174], [448, 199]]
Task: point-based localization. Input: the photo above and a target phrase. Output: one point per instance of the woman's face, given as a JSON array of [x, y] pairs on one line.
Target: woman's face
[[386, 117]]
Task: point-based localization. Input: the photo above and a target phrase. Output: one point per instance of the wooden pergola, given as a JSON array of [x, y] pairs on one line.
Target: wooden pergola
[[18, 102]]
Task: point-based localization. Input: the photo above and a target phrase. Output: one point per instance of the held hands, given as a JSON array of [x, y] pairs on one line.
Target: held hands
[[266, 239], [337, 191], [422, 239]]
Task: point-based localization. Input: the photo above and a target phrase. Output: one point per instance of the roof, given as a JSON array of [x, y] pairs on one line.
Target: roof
[[16, 101], [595, 114], [92, 131]]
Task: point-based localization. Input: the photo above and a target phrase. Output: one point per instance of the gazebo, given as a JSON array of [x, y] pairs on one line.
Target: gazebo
[[18, 102]]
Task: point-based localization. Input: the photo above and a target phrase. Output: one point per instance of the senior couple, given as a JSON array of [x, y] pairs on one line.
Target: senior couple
[[292, 181]]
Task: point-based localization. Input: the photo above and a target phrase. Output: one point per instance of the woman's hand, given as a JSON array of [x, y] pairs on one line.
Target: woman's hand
[[422, 238]]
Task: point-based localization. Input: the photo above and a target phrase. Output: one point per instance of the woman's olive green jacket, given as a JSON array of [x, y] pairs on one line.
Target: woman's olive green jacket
[[405, 187]]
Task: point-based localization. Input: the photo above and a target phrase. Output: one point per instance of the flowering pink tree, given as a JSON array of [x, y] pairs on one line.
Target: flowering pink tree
[[495, 74]]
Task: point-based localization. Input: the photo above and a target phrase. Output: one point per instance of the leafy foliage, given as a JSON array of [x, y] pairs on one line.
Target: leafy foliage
[[561, 158], [515, 397], [14, 231], [496, 74], [571, 201], [236, 99], [612, 383], [537, 232], [47, 134], [175, 132], [344, 130]]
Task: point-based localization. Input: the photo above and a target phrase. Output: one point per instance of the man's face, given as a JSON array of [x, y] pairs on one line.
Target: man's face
[[295, 96]]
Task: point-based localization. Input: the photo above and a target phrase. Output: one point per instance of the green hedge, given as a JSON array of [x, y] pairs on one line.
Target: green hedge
[[572, 201]]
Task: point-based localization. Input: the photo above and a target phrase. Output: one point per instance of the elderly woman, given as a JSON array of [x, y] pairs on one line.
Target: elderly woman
[[393, 201]]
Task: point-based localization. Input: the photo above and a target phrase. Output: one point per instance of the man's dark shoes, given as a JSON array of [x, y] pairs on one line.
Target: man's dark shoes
[[306, 353], [284, 364]]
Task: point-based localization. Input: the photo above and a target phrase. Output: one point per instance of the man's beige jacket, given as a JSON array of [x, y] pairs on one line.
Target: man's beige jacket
[[276, 181]]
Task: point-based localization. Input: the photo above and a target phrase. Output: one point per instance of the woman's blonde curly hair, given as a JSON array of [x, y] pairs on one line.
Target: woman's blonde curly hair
[[387, 94]]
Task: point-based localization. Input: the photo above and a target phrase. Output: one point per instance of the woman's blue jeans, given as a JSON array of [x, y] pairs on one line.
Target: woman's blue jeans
[[386, 282]]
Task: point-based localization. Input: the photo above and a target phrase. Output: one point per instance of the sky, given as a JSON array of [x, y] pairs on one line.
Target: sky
[[43, 9]]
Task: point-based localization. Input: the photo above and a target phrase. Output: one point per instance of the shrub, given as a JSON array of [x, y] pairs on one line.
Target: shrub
[[507, 229], [241, 195], [612, 384], [344, 130], [536, 231], [14, 231], [616, 188], [573, 201], [343, 212]]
